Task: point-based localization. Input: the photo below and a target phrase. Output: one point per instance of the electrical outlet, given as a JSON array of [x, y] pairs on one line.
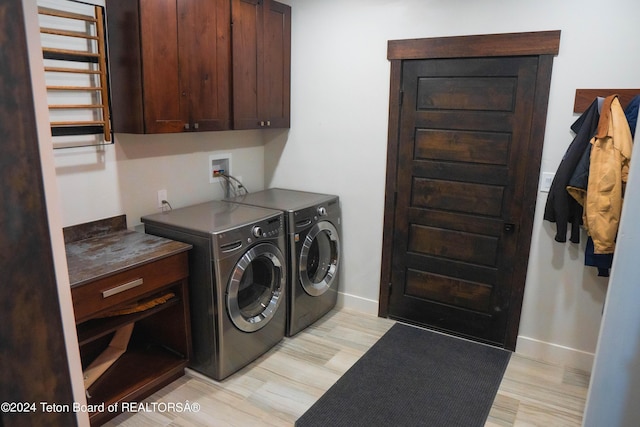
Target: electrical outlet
[[162, 195]]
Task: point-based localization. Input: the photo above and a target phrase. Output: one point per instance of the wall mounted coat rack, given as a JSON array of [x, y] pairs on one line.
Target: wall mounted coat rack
[[584, 97]]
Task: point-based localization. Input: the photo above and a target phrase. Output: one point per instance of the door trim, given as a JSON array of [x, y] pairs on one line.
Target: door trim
[[488, 45], [544, 45]]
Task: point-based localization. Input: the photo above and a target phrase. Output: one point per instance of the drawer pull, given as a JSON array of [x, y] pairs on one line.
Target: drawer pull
[[113, 291]]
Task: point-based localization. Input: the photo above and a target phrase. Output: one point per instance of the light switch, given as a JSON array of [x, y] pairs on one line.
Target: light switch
[[547, 179]]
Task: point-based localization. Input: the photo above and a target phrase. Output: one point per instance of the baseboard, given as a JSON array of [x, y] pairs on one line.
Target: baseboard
[[357, 303], [554, 353], [529, 347]]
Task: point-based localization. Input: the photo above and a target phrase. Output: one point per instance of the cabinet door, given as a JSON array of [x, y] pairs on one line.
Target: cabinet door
[[277, 64], [164, 96], [204, 32], [247, 49], [261, 46]]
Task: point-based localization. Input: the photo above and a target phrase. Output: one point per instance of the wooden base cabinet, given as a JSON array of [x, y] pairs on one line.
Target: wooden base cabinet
[[160, 345], [170, 65], [261, 46]]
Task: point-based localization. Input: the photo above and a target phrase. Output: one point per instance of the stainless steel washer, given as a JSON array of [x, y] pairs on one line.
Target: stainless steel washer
[[237, 280], [313, 227]]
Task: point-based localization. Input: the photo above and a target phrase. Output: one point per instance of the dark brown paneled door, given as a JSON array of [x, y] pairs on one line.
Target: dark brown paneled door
[[462, 157]]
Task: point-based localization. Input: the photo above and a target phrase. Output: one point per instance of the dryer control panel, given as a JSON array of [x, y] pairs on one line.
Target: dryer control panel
[[305, 218]]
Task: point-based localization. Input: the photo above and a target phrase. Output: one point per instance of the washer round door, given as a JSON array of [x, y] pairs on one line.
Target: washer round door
[[256, 287], [319, 258]]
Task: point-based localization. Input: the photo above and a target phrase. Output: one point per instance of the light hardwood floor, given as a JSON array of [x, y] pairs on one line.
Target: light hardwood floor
[[281, 385]]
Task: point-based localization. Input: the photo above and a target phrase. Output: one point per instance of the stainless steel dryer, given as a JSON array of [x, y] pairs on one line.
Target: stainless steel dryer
[[237, 280], [313, 226]]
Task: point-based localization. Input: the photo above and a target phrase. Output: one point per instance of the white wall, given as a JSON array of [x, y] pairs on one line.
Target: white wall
[[337, 142], [124, 178]]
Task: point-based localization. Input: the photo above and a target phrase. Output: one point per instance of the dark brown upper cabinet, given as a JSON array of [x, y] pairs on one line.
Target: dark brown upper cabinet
[[170, 65], [180, 65], [261, 45]]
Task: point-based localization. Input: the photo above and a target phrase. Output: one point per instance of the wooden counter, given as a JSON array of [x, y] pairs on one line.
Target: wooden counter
[[98, 257]]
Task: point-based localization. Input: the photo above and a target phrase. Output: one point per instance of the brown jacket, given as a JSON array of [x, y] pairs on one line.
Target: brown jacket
[[608, 171]]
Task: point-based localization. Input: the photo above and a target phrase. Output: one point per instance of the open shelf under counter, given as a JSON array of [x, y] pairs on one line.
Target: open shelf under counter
[[121, 279]]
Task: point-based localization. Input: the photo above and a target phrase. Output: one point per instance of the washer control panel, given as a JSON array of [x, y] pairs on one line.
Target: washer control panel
[[269, 228], [237, 239]]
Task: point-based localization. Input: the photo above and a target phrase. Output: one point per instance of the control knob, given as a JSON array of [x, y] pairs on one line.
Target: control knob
[[322, 211], [257, 231]]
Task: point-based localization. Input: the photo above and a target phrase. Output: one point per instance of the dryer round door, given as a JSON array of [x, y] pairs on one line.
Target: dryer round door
[[256, 287], [319, 258]]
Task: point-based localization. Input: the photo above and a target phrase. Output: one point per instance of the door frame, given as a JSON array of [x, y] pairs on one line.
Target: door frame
[[545, 45]]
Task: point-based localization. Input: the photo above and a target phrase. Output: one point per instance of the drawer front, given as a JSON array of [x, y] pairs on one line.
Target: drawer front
[[125, 287]]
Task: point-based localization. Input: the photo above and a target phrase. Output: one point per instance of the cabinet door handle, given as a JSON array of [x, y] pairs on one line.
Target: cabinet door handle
[[121, 288]]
